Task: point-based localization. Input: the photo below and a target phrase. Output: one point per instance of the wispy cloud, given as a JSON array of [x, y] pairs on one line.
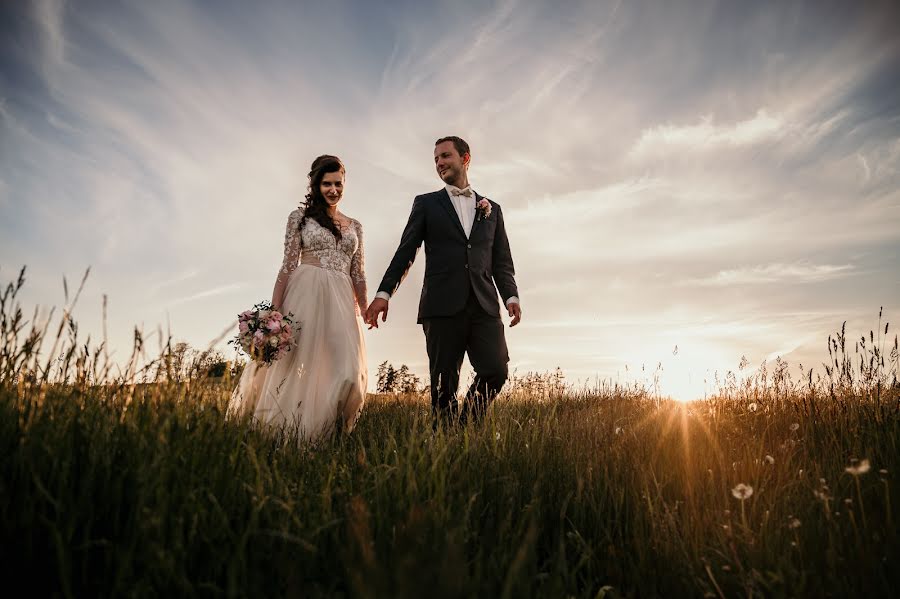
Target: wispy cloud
[[180, 278], [222, 289], [707, 136], [796, 273]]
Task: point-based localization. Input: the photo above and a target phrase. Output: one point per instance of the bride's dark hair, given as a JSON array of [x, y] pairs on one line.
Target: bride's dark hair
[[316, 206]]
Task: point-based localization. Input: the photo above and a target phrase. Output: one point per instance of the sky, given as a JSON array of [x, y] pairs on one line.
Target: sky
[[683, 183]]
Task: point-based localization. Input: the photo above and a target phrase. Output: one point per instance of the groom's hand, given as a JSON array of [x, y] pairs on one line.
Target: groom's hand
[[378, 306], [515, 312]]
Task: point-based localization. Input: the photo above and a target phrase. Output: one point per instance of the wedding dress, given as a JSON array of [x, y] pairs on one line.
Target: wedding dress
[[320, 384]]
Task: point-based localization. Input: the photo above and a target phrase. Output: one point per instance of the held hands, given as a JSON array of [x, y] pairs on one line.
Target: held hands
[[515, 312], [378, 306]]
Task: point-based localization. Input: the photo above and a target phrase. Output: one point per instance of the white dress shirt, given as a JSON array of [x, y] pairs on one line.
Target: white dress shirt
[[464, 206], [465, 211]]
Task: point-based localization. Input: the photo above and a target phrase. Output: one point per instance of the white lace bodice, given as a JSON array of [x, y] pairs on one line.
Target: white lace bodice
[[317, 246]]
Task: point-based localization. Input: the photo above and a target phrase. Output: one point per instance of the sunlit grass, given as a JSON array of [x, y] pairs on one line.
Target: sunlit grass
[[771, 487]]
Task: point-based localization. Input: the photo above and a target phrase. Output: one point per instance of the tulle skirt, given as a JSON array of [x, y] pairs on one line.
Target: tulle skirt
[[320, 385]]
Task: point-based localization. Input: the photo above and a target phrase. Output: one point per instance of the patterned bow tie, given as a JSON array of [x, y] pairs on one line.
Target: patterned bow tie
[[462, 192]]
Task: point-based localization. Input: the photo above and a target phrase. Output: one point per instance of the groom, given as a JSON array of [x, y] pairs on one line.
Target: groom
[[466, 255]]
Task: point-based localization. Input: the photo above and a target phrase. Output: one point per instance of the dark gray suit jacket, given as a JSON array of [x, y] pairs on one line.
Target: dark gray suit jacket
[[453, 264]]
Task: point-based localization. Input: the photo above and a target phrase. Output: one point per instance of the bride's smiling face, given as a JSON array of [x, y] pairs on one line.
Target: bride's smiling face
[[332, 187]]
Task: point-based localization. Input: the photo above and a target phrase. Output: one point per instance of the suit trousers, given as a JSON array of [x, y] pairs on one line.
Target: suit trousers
[[448, 339]]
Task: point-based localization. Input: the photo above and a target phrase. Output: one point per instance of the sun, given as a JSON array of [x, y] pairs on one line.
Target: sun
[[688, 374], [683, 385]]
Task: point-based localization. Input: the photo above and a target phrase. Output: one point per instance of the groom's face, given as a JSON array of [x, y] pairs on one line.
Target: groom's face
[[449, 164]]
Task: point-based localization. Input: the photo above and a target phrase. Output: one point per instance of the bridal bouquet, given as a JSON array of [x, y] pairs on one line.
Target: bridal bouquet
[[264, 333]]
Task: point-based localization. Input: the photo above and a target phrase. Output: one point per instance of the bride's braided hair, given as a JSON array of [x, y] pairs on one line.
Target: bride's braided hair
[[316, 206]]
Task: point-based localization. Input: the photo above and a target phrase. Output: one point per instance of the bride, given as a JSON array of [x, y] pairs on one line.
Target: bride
[[320, 385]]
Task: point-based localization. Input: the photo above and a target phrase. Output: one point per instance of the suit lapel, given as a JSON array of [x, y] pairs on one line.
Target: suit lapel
[[476, 222], [444, 200]]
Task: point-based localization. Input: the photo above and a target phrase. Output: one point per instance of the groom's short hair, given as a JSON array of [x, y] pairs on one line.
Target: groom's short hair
[[459, 143]]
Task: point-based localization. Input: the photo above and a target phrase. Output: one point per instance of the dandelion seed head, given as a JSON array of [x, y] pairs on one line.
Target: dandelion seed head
[[742, 491], [861, 468]]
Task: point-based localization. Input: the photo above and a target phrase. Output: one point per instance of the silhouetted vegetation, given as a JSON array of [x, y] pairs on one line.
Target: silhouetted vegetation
[[133, 482]]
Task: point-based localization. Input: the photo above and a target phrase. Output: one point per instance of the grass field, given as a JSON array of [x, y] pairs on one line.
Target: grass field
[[772, 488]]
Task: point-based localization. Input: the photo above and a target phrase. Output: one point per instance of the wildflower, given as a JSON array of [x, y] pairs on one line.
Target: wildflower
[[794, 523], [800, 473], [883, 471], [795, 426], [618, 430], [753, 407], [497, 435], [770, 459], [848, 501], [742, 491], [861, 468]]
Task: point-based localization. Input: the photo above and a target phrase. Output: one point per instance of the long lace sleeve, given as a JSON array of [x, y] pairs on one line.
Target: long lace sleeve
[[358, 270], [291, 257]]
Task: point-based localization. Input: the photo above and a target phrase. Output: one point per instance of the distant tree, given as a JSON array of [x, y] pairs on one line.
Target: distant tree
[[396, 380], [180, 362], [407, 382]]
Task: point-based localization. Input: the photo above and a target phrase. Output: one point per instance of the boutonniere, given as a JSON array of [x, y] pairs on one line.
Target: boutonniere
[[483, 208]]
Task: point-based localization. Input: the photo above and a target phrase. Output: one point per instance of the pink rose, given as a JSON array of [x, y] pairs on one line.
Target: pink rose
[[242, 327], [274, 325], [484, 206]]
